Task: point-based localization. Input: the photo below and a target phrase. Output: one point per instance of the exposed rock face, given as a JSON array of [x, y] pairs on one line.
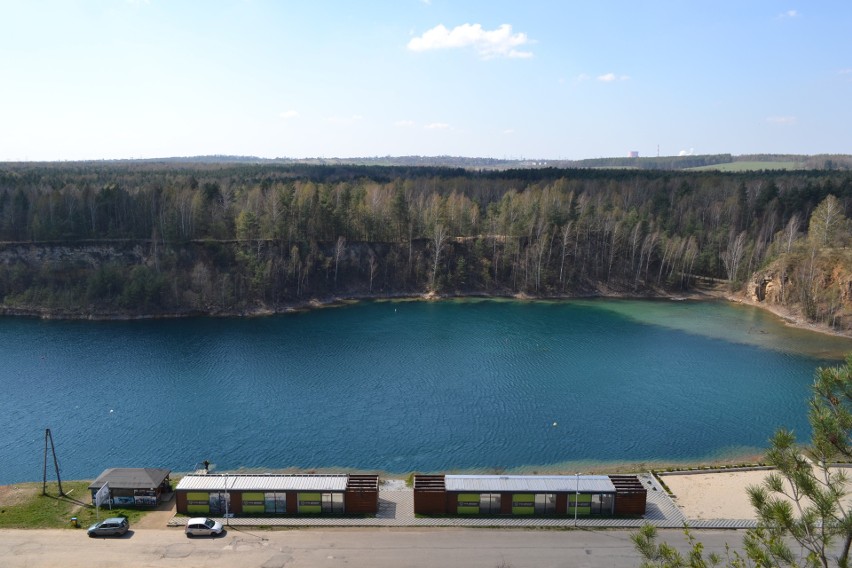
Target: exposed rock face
[[767, 287], [819, 288], [91, 255]]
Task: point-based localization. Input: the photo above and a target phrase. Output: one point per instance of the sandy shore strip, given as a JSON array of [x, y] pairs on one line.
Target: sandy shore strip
[[717, 495]]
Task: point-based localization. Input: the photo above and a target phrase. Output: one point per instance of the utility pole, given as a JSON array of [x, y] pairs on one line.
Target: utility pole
[[49, 437], [576, 498]]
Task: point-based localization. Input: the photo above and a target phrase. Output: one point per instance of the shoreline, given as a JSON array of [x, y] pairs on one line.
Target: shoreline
[[789, 316], [747, 458]]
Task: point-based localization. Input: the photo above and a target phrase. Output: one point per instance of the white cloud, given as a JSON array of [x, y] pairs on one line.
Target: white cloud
[[782, 120], [847, 71], [690, 152], [500, 42], [288, 114], [404, 123], [437, 126], [789, 14], [582, 77], [610, 77], [509, 131]]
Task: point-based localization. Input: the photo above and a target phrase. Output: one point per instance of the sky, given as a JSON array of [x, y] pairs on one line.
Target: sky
[[505, 79]]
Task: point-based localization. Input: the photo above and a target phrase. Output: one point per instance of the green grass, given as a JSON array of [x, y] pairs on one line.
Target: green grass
[[749, 166], [32, 510]]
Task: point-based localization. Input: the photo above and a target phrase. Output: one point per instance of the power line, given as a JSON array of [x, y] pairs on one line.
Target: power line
[[49, 437]]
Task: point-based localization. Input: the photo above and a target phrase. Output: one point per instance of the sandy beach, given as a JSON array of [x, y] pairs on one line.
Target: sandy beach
[[721, 495], [717, 495]]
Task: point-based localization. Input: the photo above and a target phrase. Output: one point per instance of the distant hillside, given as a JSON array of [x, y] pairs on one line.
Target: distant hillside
[[747, 166], [716, 162], [655, 163], [722, 162]]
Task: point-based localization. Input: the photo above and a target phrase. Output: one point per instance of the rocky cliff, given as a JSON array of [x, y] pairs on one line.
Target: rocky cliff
[[812, 286]]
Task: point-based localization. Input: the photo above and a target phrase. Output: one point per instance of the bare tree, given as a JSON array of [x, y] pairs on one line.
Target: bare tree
[[635, 239], [614, 245], [733, 255], [790, 231], [374, 265], [566, 236], [541, 237], [439, 240], [339, 250]]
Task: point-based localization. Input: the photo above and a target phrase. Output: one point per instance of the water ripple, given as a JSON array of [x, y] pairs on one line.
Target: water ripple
[[399, 387]]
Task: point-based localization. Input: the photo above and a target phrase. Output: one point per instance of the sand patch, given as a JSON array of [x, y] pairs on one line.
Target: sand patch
[[718, 495], [12, 495]]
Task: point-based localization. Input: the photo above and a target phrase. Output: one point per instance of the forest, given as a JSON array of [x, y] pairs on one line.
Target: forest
[[149, 238]]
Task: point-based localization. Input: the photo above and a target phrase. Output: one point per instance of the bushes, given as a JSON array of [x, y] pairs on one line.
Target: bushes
[[143, 290]]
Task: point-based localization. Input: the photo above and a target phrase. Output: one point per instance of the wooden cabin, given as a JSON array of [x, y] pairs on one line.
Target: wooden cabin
[[529, 495], [134, 487], [222, 494]]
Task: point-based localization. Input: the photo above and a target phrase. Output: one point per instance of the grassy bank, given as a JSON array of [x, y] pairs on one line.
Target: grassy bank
[[23, 506]]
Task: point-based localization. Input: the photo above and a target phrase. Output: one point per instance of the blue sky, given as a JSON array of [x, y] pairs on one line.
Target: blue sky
[[110, 79]]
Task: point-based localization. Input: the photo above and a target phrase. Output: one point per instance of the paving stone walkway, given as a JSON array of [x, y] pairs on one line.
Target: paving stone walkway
[[396, 509]]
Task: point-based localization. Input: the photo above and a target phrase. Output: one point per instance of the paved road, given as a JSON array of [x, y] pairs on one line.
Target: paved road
[[332, 548]]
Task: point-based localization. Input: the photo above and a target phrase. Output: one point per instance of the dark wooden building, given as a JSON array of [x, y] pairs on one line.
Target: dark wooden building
[[529, 495], [268, 494], [631, 496], [134, 487]]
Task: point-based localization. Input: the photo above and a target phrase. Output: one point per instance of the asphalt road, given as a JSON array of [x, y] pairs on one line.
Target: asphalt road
[[332, 548]]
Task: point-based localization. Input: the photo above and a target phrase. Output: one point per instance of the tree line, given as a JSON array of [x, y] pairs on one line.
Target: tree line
[[229, 237]]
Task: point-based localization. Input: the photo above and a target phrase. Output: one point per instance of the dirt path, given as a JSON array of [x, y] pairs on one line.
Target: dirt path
[[158, 518]]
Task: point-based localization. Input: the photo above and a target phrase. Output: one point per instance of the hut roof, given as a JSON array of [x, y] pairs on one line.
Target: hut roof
[[262, 482], [131, 478], [531, 483]]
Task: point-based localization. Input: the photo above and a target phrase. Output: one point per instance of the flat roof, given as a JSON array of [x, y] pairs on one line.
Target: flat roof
[[131, 478], [530, 483], [261, 482]]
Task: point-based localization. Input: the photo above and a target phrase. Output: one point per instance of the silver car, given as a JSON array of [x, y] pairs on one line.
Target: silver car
[[202, 526], [115, 526]]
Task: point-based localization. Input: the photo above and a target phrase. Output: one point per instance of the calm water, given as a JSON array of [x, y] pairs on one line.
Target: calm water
[[405, 386]]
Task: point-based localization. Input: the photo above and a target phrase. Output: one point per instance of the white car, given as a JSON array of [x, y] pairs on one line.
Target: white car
[[202, 526]]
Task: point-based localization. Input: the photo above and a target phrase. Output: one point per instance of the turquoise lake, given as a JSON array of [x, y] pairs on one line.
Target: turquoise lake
[[405, 386]]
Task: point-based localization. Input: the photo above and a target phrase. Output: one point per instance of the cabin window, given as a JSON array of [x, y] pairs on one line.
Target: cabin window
[[332, 503], [579, 504], [275, 503], [489, 504], [602, 504], [220, 503], [545, 503]]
